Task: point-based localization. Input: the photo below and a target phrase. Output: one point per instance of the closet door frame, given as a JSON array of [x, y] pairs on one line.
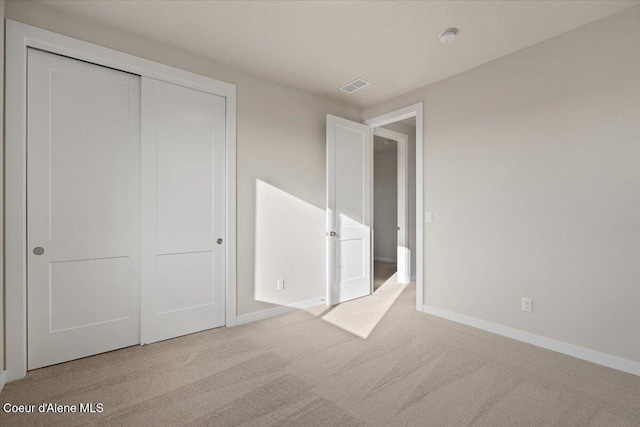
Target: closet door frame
[[19, 38]]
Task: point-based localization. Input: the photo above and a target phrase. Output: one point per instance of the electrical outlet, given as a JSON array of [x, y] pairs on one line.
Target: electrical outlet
[[428, 216], [527, 304], [280, 284]]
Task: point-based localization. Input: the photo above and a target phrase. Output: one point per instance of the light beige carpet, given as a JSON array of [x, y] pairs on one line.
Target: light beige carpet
[[362, 315], [300, 370]]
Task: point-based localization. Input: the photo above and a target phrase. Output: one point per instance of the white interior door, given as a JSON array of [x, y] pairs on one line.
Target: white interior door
[[349, 154], [83, 150], [183, 184]]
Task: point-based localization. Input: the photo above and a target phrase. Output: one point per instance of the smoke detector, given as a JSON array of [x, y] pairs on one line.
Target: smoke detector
[[448, 35], [355, 85]]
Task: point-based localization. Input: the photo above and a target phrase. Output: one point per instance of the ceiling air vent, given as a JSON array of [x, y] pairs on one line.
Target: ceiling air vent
[[355, 85]]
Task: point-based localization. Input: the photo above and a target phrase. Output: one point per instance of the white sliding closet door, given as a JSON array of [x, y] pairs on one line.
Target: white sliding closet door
[[83, 199], [183, 184]]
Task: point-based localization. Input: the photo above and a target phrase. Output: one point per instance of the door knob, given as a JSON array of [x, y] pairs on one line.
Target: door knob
[[219, 241], [333, 233], [38, 250]]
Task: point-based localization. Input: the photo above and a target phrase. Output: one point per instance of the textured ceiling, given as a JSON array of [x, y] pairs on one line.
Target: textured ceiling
[[319, 46]]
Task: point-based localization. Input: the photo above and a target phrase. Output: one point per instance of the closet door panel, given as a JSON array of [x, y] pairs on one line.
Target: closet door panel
[[83, 209], [183, 140]]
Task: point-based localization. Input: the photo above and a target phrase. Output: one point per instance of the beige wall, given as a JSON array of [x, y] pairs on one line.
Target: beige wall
[[385, 202], [532, 171], [281, 161], [2, 7]]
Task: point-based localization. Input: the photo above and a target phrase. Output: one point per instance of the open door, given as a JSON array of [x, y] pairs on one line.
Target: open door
[[349, 150]]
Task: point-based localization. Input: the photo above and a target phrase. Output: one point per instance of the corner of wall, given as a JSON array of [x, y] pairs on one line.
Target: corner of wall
[[2, 377]]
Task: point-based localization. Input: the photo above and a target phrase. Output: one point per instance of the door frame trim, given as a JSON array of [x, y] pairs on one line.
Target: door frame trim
[[403, 257], [20, 37], [417, 111]]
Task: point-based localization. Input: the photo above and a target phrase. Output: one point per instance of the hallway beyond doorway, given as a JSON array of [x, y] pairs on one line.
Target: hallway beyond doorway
[[382, 271]]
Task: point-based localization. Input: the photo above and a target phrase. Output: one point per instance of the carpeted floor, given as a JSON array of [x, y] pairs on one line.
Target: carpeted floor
[[301, 370]]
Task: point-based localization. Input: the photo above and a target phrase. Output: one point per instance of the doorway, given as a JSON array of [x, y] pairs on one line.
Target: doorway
[[349, 227], [393, 224], [411, 116], [385, 212]]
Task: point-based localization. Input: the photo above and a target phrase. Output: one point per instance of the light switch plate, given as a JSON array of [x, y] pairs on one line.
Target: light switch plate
[[280, 284], [428, 216]]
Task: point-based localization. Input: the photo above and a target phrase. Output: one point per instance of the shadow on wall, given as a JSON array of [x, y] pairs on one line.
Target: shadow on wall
[[289, 246]]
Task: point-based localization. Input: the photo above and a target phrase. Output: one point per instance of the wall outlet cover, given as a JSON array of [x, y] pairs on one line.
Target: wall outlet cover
[[527, 305]]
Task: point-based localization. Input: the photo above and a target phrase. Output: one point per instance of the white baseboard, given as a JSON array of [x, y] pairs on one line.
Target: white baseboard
[[277, 311], [593, 356], [382, 259], [3, 379]]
